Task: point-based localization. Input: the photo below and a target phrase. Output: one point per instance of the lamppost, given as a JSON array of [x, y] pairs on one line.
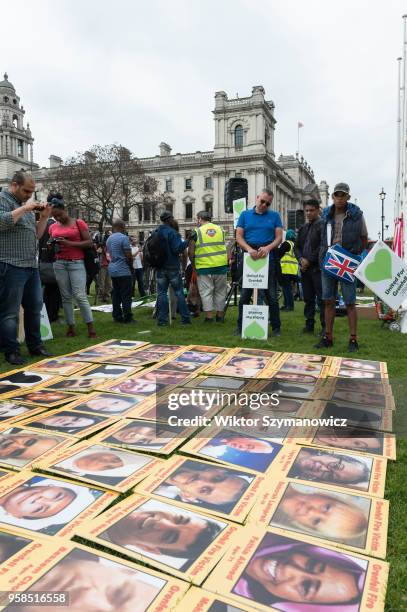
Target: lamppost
[[382, 196]]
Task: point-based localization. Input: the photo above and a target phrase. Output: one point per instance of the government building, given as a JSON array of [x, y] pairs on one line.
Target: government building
[[189, 182]]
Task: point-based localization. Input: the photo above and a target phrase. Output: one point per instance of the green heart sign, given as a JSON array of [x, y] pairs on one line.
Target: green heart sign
[[254, 331], [238, 206], [380, 268], [256, 264]]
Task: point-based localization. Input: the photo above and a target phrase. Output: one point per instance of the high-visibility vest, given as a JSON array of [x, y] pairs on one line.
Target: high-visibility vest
[[289, 263], [210, 247]]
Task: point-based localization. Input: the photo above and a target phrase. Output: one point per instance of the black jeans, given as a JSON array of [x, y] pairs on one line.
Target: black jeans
[[121, 298], [312, 289], [138, 275]]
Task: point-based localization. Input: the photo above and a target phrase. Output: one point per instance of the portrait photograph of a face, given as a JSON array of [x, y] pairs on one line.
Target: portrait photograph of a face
[[21, 448], [90, 576], [70, 422], [231, 447], [306, 358], [278, 572], [182, 542], [129, 358], [197, 357], [215, 489], [61, 366], [11, 411], [359, 415], [109, 467], [358, 374], [294, 377], [151, 437], [45, 397], [340, 518], [124, 345], [285, 389], [243, 366], [334, 469], [168, 406], [369, 400], [178, 366], [107, 403], [137, 386], [363, 386], [49, 506], [359, 364], [163, 349], [365, 441], [79, 384]]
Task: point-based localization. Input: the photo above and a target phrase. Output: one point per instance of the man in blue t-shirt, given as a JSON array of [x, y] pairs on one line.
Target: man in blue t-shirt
[[259, 232], [120, 268]]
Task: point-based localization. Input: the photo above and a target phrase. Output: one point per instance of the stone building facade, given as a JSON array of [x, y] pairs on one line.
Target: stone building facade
[[189, 182]]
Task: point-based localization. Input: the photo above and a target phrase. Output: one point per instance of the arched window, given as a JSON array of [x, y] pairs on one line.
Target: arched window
[[15, 121], [239, 137]]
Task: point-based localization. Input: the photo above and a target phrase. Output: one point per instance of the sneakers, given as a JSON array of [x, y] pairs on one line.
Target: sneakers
[[276, 333], [353, 346], [324, 343]]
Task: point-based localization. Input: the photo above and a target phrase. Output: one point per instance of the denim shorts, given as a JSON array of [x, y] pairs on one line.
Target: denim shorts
[[330, 287]]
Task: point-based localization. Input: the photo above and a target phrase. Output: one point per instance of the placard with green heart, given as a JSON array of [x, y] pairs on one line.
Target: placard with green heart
[[380, 268], [254, 331], [256, 264], [238, 207]]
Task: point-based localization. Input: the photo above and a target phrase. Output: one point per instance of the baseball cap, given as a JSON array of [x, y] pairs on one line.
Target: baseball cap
[[342, 187], [166, 216]]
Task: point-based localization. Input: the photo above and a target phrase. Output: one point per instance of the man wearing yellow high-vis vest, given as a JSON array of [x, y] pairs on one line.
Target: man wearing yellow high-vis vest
[[208, 254], [289, 269]]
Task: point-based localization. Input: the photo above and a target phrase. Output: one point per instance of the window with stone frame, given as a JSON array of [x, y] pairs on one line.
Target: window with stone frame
[[209, 207], [125, 213], [168, 184], [208, 182], [239, 135], [20, 148], [188, 184], [188, 211]]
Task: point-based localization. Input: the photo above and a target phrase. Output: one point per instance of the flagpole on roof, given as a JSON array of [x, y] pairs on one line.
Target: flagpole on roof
[[397, 195], [403, 143], [299, 126]]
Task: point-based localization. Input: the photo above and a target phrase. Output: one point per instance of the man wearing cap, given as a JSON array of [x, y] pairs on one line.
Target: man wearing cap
[[259, 232], [20, 283], [343, 223], [208, 254], [169, 275]]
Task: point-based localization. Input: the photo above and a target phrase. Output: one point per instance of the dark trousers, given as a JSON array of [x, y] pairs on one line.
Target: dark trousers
[[138, 275], [19, 287], [312, 289], [121, 298], [286, 283], [52, 301], [270, 295]]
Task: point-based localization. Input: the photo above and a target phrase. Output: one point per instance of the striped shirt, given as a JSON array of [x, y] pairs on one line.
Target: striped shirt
[[18, 241]]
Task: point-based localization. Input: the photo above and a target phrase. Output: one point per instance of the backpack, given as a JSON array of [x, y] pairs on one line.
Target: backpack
[[155, 250]]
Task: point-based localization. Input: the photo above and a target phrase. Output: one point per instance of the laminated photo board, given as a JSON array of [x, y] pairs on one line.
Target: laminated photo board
[[100, 464], [46, 398], [147, 436], [107, 404], [62, 366], [336, 517], [34, 503], [214, 489], [229, 447], [364, 365], [342, 470], [69, 422], [184, 543], [21, 448], [90, 575], [253, 572], [180, 408], [357, 415], [12, 411], [200, 600]]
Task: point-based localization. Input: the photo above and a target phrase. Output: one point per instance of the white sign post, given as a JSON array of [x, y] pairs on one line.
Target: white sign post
[[255, 272], [255, 322], [238, 206], [385, 274]]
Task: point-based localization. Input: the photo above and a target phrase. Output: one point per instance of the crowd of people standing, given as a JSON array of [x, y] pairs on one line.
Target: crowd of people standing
[[295, 263]]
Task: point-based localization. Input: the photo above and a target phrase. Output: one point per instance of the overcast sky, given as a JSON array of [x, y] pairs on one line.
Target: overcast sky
[[139, 73]]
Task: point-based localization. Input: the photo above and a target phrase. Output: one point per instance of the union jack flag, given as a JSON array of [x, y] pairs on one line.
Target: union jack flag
[[341, 264]]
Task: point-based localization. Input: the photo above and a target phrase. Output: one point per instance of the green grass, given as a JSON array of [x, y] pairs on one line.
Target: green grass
[[375, 343]]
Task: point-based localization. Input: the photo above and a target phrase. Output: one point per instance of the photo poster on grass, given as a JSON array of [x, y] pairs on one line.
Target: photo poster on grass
[[238, 206], [384, 273], [255, 322], [255, 272]]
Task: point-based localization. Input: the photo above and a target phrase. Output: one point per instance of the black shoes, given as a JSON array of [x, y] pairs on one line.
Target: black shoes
[[276, 333], [324, 343], [41, 351], [14, 358], [353, 346], [220, 319], [308, 330]]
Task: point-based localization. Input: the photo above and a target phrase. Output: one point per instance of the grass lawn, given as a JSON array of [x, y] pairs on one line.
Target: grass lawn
[[375, 343]]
